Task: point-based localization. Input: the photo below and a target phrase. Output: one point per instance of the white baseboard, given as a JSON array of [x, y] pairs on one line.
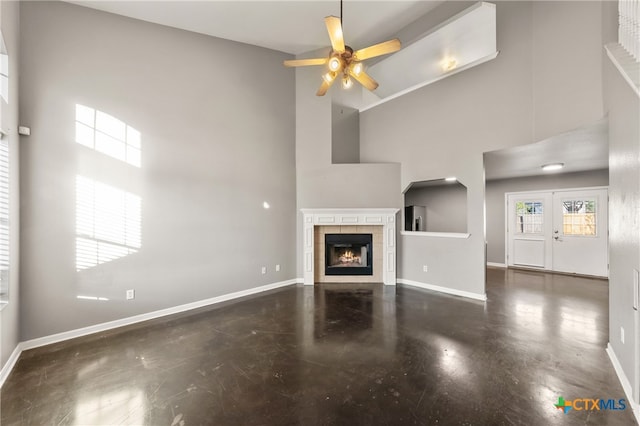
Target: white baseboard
[[301, 281], [497, 265], [11, 362], [624, 381], [59, 337], [447, 290]]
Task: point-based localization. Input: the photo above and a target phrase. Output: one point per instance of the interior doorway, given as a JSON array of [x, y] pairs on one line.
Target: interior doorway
[[562, 231]]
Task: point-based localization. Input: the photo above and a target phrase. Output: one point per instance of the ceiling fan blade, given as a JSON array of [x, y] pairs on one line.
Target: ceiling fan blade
[[304, 62], [378, 49], [324, 87], [334, 28], [364, 79]]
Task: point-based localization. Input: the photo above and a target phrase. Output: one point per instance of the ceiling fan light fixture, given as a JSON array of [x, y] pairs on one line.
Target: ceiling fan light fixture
[[346, 82], [335, 64], [329, 77], [343, 60], [356, 68]]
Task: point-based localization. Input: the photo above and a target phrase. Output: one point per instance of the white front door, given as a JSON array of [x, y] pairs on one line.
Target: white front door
[[564, 231], [580, 232]]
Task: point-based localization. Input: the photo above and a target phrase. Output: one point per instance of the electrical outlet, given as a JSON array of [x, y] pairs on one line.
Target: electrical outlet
[[425, 268], [277, 268], [264, 270], [131, 294], [622, 334]]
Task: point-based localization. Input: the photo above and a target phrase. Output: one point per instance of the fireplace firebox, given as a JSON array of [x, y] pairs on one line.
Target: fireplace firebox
[[348, 254]]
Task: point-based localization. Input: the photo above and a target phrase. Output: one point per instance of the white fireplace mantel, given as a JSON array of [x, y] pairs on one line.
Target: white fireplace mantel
[[362, 217]]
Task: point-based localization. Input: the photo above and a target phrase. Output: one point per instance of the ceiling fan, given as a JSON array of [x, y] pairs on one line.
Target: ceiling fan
[[344, 60]]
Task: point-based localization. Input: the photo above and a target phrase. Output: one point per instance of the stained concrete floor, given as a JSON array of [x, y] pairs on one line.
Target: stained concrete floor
[[338, 354]]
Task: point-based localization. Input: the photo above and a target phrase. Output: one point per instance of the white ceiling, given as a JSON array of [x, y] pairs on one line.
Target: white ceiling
[[293, 26], [586, 148]]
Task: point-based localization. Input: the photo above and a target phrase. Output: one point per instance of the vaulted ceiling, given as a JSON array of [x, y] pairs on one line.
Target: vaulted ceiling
[[289, 26], [296, 27]]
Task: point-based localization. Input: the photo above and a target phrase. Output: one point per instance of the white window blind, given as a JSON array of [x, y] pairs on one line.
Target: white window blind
[[4, 220]]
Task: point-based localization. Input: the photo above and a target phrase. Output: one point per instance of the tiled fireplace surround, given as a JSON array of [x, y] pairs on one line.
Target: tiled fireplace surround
[[381, 223], [319, 253]]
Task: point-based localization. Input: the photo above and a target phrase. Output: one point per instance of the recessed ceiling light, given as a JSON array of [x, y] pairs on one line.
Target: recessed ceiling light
[[552, 166], [266, 205], [451, 179]]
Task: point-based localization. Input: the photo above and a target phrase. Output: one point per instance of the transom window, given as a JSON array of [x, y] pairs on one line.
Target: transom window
[[579, 217], [529, 217], [4, 71]]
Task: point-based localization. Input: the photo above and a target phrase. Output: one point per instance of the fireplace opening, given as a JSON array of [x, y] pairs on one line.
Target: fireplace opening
[[348, 254]]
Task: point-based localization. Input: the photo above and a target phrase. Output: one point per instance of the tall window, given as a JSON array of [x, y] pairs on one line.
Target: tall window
[[4, 220], [108, 222], [4, 177]]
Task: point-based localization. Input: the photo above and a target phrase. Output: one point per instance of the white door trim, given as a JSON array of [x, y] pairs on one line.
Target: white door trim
[[540, 191]]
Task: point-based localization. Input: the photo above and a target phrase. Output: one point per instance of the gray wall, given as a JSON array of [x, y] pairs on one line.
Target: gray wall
[[624, 216], [495, 201], [345, 134], [444, 128], [216, 143], [9, 316], [321, 184], [567, 40], [446, 206]]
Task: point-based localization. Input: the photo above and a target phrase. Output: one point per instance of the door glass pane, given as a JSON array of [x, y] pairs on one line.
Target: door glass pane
[[529, 217], [579, 217]]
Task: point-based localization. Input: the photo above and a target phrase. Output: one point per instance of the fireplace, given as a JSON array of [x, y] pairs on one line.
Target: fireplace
[[379, 222], [348, 254]]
